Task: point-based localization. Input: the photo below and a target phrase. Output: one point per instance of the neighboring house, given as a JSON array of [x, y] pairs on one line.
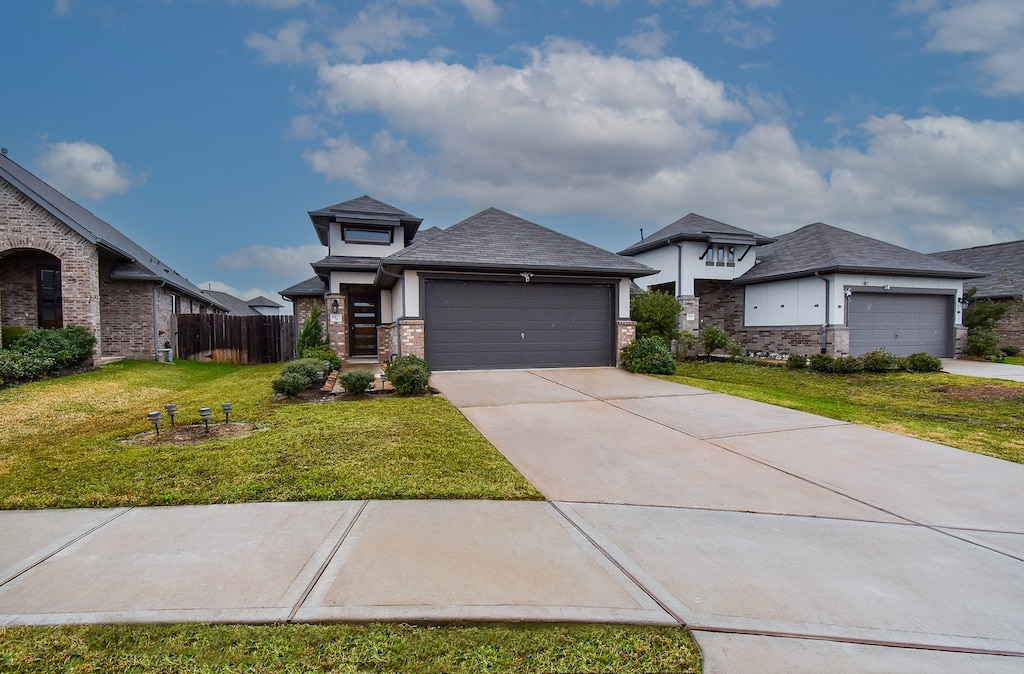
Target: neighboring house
[[257, 306], [61, 265], [691, 252], [493, 291], [1003, 264], [818, 289]]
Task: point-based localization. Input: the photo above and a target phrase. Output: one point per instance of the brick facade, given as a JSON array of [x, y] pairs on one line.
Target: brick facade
[[1011, 328], [410, 336], [626, 333], [387, 342], [337, 324]]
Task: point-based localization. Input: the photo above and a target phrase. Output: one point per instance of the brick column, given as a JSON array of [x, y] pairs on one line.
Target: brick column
[[337, 327], [690, 306], [626, 332], [410, 336]]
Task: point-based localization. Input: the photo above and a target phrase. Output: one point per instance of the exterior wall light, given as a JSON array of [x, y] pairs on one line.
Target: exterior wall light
[[204, 414], [227, 411], [172, 409], [334, 307], [154, 418]]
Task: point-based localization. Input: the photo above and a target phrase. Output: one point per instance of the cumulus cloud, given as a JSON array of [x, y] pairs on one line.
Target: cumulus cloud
[[989, 29], [86, 170], [648, 39], [62, 8], [283, 263], [273, 4], [482, 11]]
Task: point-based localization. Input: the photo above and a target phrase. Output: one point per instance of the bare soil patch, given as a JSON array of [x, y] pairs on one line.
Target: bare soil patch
[[191, 435], [981, 392]]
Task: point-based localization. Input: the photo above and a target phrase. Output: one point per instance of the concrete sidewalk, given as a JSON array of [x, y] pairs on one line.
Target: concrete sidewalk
[[976, 368]]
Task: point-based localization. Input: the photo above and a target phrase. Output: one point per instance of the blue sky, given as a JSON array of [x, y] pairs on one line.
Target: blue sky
[[206, 129]]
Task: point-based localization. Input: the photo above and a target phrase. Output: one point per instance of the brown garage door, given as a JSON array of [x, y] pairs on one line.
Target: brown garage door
[[495, 325], [900, 323]]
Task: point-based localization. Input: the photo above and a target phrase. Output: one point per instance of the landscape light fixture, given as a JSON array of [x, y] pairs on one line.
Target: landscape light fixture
[[154, 418], [204, 414], [227, 410], [172, 409]]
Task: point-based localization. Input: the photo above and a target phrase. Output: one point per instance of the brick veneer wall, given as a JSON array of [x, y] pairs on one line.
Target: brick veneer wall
[[387, 342], [410, 335], [25, 225], [338, 332], [1011, 328], [626, 333], [126, 311]]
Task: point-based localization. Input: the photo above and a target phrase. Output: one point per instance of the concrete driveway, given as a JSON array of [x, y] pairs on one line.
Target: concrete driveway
[[786, 541], [975, 368]]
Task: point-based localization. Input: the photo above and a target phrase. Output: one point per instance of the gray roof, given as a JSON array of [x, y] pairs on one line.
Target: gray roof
[[826, 249], [137, 264], [345, 263], [311, 287], [261, 301], [1002, 262], [500, 241], [363, 210], [235, 306], [695, 227]]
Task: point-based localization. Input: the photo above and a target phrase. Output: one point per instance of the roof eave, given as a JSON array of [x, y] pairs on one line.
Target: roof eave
[[857, 270], [518, 268]]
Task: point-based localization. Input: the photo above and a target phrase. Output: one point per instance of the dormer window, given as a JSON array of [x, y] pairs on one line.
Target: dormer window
[[380, 236]]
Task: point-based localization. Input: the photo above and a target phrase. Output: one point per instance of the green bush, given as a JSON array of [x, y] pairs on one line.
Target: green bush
[[796, 361], [307, 368], [356, 381], [982, 343], [981, 318], [713, 338], [411, 359], [290, 384], [921, 362], [687, 341], [64, 346], [10, 333], [16, 366], [847, 365], [735, 350], [409, 379], [312, 332], [1010, 349], [322, 352], [648, 355], [821, 362], [879, 360], [656, 315]]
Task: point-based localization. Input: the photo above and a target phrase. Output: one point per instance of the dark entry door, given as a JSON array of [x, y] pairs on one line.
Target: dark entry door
[[363, 319], [50, 310], [491, 325]]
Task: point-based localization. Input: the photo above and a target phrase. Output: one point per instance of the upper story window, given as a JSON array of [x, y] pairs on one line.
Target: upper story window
[[175, 304], [370, 235], [720, 255]]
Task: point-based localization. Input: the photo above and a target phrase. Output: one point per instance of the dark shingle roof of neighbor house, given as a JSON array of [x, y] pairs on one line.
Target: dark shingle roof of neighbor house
[[235, 306], [137, 264], [261, 301], [826, 249], [494, 239], [695, 227], [364, 210], [1002, 262], [311, 287]]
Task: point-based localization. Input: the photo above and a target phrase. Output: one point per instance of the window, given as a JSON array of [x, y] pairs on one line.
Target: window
[[371, 235], [51, 314], [730, 258], [175, 304]]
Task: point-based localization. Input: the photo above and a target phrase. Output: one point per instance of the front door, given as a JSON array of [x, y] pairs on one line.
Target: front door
[[363, 319]]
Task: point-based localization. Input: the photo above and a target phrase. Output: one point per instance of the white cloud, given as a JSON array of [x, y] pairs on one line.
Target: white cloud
[[284, 263], [376, 29], [62, 8], [989, 29], [273, 4], [482, 11], [86, 170], [648, 39], [287, 45]]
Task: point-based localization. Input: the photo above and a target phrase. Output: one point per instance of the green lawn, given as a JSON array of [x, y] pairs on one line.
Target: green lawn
[[378, 647], [978, 415], [1015, 360], [63, 444]]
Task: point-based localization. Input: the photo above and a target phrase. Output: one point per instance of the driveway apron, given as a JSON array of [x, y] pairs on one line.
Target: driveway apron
[[813, 544]]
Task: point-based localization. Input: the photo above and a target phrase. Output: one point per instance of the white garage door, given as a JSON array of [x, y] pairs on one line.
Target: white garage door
[[901, 324]]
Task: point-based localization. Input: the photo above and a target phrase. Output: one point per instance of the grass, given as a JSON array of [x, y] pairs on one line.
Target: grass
[[347, 648], [978, 415], [1014, 360], [63, 444]]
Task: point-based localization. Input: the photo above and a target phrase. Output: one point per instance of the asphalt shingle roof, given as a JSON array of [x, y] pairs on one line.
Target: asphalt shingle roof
[[311, 287], [262, 301], [364, 209], [823, 248], [494, 239], [693, 227], [138, 263], [1002, 262], [235, 306]]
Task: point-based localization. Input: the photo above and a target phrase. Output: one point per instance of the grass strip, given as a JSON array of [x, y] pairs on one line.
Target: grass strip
[[378, 647], [984, 416]]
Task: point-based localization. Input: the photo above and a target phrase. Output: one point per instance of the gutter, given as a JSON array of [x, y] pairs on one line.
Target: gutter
[[828, 300]]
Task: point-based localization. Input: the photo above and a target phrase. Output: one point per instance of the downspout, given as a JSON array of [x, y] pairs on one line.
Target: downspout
[[156, 323], [828, 300], [679, 269]]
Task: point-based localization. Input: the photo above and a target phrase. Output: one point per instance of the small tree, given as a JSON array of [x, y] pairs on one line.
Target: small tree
[[980, 318], [312, 333], [713, 338], [656, 315]]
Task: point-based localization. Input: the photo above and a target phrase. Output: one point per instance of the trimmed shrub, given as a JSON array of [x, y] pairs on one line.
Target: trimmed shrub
[[64, 346], [409, 375], [290, 384], [16, 366], [713, 338], [735, 350], [356, 381], [1010, 349], [847, 365], [656, 315], [982, 343], [921, 362], [687, 340], [821, 362], [10, 333], [307, 368], [879, 360], [411, 359], [322, 352], [648, 355], [796, 361]]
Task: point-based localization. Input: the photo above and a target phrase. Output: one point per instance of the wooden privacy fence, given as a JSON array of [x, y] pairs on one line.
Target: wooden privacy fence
[[235, 339]]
